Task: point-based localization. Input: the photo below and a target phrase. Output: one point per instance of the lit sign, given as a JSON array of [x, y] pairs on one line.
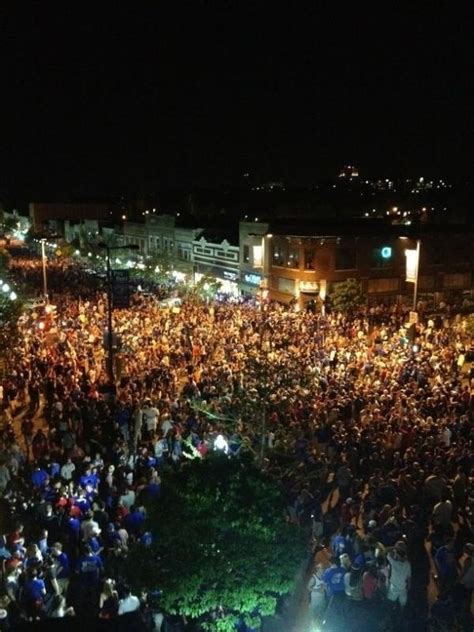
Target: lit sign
[[232, 276], [386, 252], [309, 286], [252, 279], [257, 256]]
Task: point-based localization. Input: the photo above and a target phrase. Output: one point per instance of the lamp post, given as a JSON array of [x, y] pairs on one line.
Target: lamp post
[[417, 270], [110, 344], [45, 281]]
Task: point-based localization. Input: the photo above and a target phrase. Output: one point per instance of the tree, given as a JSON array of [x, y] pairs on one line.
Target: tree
[[223, 549], [347, 295]]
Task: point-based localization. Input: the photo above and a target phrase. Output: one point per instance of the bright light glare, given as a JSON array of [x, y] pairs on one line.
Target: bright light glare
[[13, 295], [220, 443], [5, 287]]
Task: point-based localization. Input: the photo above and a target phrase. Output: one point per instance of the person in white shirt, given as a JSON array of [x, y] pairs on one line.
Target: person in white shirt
[[400, 574], [150, 416], [67, 470], [166, 424], [129, 603]]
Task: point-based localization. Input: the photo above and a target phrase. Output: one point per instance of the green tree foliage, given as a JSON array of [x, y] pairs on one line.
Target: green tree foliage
[[347, 295], [223, 548]]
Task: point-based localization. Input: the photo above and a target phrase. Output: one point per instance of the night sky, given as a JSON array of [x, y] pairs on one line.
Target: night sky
[[98, 102]]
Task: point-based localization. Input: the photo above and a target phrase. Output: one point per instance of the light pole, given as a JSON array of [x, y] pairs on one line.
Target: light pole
[[45, 281], [110, 338], [417, 270]]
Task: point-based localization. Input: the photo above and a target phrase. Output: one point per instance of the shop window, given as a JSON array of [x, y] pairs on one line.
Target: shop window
[[286, 285]]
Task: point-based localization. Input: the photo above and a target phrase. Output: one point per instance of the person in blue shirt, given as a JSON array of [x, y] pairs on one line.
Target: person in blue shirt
[[333, 578], [39, 477], [446, 564], [62, 567], [134, 520], [34, 592], [89, 568]]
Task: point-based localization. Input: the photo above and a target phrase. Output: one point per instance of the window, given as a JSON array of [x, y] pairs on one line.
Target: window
[[383, 285], [286, 285], [346, 258], [457, 280], [246, 254], [293, 260], [309, 259], [279, 253]]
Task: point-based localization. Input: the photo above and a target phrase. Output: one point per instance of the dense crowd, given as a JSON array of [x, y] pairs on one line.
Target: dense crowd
[[363, 416]]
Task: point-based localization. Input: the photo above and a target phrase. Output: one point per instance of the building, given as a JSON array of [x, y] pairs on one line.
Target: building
[[252, 239], [303, 262], [216, 254], [52, 215]]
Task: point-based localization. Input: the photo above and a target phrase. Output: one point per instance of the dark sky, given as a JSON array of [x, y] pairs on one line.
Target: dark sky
[[103, 101]]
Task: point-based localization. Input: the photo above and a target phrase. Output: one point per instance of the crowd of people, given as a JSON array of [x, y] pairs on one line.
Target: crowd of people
[[365, 421]]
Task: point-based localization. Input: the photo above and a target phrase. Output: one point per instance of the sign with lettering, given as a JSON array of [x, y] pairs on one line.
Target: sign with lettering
[[252, 279], [120, 289], [310, 287]]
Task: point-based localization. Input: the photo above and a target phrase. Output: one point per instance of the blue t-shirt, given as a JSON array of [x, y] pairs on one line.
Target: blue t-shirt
[[34, 589], [333, 577], [89, 567], [446, 561], [39, 478], [63, 562]]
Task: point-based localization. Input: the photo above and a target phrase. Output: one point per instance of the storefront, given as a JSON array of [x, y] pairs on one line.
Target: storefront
[[250, 283], [228, 279]]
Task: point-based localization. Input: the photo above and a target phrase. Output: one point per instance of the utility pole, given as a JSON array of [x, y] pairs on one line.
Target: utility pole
[[110, 324]]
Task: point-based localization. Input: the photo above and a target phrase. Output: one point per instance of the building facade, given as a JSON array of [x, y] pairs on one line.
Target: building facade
[[217, 259], [295, 265]]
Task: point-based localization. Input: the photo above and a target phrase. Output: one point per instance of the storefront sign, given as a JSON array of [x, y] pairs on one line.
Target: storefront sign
[[231, 276], [252, 279], [310, 287]]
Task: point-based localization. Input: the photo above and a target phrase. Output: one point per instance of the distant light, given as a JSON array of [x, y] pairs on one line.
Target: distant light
[[386, 252], [5, 287], [89, 254], [41, 325], [422, 179], [395, 209], [77, 252], [13, 295], [124, 217]]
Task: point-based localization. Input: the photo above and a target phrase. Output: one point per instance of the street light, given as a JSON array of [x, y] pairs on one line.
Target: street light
[[110, 346]]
